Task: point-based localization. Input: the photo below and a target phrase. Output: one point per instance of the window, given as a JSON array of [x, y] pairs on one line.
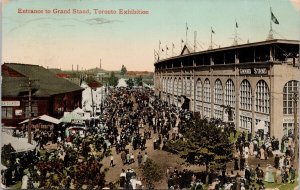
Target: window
[[288, 96], [179, 87], [245, 122], [218, 92], [206, 91], [246, 95], [188, 86], [199, 96], [229, 94], [7, 112], [262, 97], [175, 87], [218, 114], [34, 110], [207, 98], [218, 99], [169, 89]]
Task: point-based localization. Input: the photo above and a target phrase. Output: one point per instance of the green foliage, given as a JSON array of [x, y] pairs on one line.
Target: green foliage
[[204, 144], [6, 154], [123, 70], [138, 81], [130, 83], [112, 80], [151, 172]]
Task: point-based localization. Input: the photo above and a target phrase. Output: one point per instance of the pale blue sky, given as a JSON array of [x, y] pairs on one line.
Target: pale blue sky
[[62, 40]]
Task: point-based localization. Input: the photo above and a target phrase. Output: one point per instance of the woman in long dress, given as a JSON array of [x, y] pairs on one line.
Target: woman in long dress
[[262, 154], [278, 176], [269, 177], [251, 148]]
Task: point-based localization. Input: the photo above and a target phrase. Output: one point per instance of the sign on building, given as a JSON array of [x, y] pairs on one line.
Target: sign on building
[[10, 103]]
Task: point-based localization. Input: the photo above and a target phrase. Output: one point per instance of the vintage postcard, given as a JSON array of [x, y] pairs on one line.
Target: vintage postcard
[[150, 94]]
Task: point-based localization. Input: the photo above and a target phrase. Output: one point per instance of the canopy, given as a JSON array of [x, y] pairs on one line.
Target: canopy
[[78, 111], [122, 83], [69, 117], [43, 118], [19, 144]]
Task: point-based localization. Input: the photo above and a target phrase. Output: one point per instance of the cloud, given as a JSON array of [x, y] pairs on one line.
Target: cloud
[[93, 21]]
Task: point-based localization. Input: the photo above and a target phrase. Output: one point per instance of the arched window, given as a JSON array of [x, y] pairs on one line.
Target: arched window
[[207, 98], [218, 99], [230, 94], [179, 87], [246, 95], [262, 97], [169, 85], [188, 86], [175, 87], [206, 91], [218, 92], [199, 96], [289, 90]]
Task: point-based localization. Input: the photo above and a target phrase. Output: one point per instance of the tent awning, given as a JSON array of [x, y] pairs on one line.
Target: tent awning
[[43, 118]]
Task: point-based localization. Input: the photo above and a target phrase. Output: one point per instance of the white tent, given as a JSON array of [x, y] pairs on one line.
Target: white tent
[[70, 116], [79, 111], [122, 83], [19, 144], [44, 118]]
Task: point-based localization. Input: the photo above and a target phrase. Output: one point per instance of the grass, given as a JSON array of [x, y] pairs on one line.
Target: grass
[[283, 186]]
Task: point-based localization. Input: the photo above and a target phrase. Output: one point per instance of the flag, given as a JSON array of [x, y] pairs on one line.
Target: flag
[[173, 45], [212, 31], [273, 18], [187, 26], [159, 42], [236, 24]]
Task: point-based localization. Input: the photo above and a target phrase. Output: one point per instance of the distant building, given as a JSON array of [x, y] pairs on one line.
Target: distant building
[[51, 95], [258, 81]]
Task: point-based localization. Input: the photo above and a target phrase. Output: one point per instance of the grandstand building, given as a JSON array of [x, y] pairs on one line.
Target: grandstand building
[[258, 82]]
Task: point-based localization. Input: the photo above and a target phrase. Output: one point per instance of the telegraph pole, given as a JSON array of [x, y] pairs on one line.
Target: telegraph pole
[[296, 156], [29, 106]]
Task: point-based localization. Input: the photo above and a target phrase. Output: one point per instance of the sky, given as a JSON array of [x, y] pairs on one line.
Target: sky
[[62, 40]]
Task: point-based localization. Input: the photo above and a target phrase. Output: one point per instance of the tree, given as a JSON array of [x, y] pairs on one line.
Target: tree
[[112, 80], [123, 70], [6, 154], [130, 83], [138, 81], [151, 172], [204, 143]]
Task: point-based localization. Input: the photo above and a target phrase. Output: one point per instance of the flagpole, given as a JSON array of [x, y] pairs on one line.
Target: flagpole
[[159, 47], [270, 37], [172, 49], [186, 28], [166, 50], [235, 42], [210, 38]]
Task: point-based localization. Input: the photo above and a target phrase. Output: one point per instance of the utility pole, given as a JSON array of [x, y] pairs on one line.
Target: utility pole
[[29, 106], [296, 156]]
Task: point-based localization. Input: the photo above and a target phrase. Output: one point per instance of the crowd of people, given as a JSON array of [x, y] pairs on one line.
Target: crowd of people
[[129, 119]]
